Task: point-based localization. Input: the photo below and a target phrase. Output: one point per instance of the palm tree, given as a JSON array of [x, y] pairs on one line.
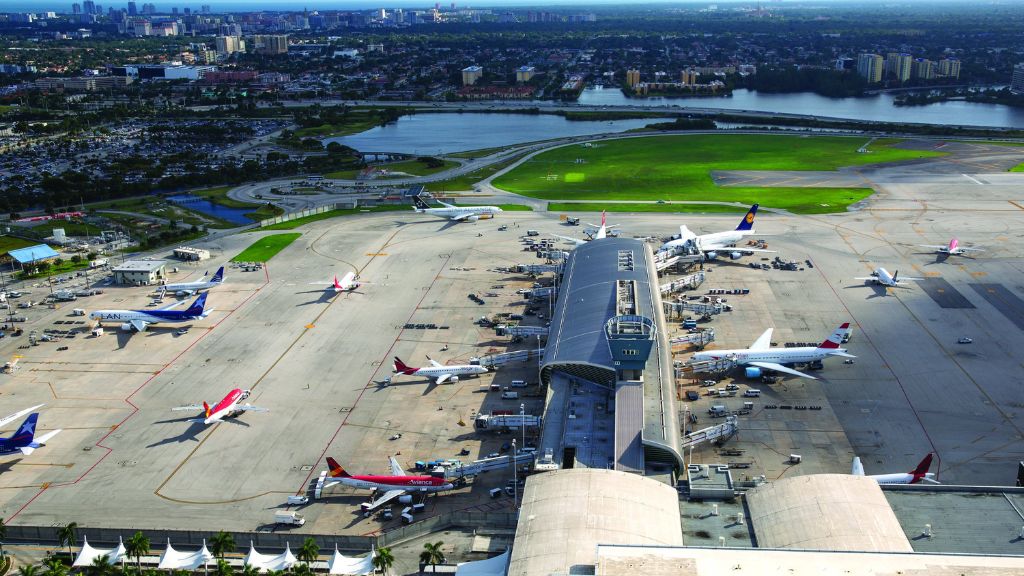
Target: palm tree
[[223, 568], [54, 566], [100, 566], [136, 546], [309, 551], [28, 570], [302, 570], [3, 536], [383, 560], [432, 554], [221, 544], [274, 573], [66, 536], [248, 570]]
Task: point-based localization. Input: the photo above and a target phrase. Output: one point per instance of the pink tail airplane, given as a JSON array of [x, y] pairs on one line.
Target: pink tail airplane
[[397, 485], [346, 284], [915, 476], [228, 407], [953, 248]]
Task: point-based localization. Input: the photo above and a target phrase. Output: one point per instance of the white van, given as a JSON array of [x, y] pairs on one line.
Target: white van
[[718, 410], [752, 393], [518, 384], [510, 395], [78, 312]]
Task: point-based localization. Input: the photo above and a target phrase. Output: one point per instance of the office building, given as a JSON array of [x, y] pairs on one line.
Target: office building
[[1017, 81], [89, 7], [132, 9], [525, 73], [870, 66], [270, 43], [632, 78], [471, 74]]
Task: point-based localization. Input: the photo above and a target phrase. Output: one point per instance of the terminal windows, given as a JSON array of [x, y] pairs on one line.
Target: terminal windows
[[629, 352]]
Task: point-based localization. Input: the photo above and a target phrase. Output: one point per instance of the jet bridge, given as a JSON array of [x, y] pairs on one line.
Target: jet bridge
[[689, 282], [722, 432], [699, 338]]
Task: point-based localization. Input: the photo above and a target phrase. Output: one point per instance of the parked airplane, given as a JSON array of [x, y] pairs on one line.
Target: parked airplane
[[346, 284], [597, 232], [228, 407], [915, 476], [711, 244], [439, 372], [882, 277], [139, 320], [190, 288], [24, 439], [398, 485], [760, 353], [953, 248], [455, 213]]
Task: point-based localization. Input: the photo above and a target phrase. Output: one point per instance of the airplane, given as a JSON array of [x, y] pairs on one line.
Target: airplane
[[915, 476], [882, 277], [139, 320], [711, 244], [190, 288], [761, 355], [455, 213], [398, 485], [953, 248], [228, 407], [602, 231], [346, 284], [439, 372], [24, 439]]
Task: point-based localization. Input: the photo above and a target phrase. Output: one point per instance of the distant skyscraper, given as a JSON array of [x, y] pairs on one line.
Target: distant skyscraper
[[898, 65], [1017, 82], [632, 78], [924, 69], [870, 66], [949, 68], [270, 43], [132, 9], [76, 8], [89, 7]]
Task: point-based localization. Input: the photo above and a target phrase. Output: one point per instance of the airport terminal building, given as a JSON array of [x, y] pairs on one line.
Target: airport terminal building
[[607, 365]]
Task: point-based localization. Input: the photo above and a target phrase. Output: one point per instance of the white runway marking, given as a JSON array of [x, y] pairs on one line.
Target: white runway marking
[[975, 180]]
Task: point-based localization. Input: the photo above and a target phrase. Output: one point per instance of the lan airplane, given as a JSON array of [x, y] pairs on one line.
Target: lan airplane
[[190, 288], [139, 320], [228, 407], [710, 244], [455, 213], [398, 485], [439, 372], [882, 277], [760, 353], [915, 476], [953, 248], [24, 440]]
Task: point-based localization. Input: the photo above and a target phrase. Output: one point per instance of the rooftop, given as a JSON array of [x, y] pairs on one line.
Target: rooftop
[[33, 254], [140, 266]]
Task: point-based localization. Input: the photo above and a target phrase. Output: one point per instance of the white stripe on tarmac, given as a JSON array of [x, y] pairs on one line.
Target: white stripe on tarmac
[[975, 180]]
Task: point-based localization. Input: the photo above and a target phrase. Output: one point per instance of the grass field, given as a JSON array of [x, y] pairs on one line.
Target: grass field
[[8, 243], [266, 248], [643, 207], [679, 167], [466, 181], [54, 269]]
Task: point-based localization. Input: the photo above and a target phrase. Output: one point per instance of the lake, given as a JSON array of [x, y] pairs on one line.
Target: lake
[[233, 215]]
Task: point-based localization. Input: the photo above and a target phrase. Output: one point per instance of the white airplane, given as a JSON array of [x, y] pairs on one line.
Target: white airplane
[[761, 355], [882, 277], [915, 476], [228, 407], [439, 372], [455, 213], [595, 233], [711, 244], [398, 485], [139, 320], [190, 288], [953, 248], [24, 440], [346, 284]]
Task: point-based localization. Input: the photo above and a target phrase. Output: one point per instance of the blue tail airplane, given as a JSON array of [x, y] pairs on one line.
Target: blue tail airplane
[[24, 440], [138, 320]]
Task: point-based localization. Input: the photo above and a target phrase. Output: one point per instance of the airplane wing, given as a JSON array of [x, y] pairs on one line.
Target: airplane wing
[[934, 246], [435, 363], [867, 278], [575, 241], [17, 415], [251, 408], [971, 250], [443, 379], [384, 499], [39, 442], [396, 468], [139, 325], [907, 278], [462, 217], [858, 468], [190, 407], [781, 368], [174, 304], [763, 342], [843, 354]]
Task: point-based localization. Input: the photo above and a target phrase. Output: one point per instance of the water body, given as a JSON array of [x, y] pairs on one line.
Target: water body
[[233, 215], [877, 108], [435, 134]]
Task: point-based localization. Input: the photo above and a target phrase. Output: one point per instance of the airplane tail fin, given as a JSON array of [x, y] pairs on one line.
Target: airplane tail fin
[[337, 285], [402, 368], [196, 309], [604, 218], [833, 341], [206, 409], [922, 468], [858, 467], [219, 276], [26, 432], [419, 204], [335, 469], [748, 220]]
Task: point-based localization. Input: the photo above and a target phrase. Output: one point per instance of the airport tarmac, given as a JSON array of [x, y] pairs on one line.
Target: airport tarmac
[[124, 459]]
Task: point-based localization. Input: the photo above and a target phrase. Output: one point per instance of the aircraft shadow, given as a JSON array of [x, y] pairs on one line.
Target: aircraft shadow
[[6, 466], [189, 434], [325, 297], [379, 386], [878, 291]]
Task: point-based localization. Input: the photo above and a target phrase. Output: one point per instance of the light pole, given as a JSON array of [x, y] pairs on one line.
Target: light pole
[[515, 477], [522, 422]]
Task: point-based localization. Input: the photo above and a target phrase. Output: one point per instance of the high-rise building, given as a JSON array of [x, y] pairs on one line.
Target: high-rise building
[[949, 68], [632, 77], [688, 77], [89, 7], [924, 69], [898, 66], [270, 43], [76, 8], [1017, 81], [132, 9], [870, 66], [227, 45], [471, 74], [525, 73]]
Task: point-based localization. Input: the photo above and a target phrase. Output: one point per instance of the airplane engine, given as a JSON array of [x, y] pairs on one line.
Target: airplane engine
[[472, 218], [127, 327], [453, 379], [711, 255], [405, 499], [735, 255]]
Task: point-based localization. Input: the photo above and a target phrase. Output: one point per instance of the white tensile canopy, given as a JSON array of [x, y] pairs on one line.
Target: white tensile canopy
[[173, 559], [88, 553], [496, 566], [264, 562], [350, 565]]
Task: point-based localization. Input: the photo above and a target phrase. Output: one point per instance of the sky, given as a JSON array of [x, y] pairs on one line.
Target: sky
[[286, 5]]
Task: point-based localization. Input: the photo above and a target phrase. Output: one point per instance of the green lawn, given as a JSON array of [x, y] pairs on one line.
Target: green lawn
[[514, 208], [357, 123], [642, 207], [52, 270], [266, 248], [466, 181], [8, 243], [678, 168]]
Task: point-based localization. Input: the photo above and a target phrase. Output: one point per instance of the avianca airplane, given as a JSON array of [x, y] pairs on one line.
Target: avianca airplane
[[439, 372], [760, 353], [882, 277], [596, 233], [398, 485], [455, 213], [190, 288], [228, 407], [139, 320], [346, 284], [711, 244], [915, 476], [24, 439], [953, 248]]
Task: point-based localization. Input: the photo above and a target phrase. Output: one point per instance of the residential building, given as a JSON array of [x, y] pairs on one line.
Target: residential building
[[924, 69], [525, 73], [471, 74], [1017, 81], [870, 66], [898, 66], [688, 77], [632, 78], [270, 43], [227, 45], [949, 68]]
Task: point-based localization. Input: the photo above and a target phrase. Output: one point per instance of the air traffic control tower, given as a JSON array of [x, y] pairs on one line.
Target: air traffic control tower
[[607, 364]]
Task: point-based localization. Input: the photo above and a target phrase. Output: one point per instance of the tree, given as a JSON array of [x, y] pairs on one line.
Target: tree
[[221, 544], [309, 551], [383, 560], [432, 554], [302, 570], [223, 568], [76, 258], [66, 536], [3, 536], [28, 570], [249, 570], [58, 261], [54, 567], [100, 566], [136, 546]]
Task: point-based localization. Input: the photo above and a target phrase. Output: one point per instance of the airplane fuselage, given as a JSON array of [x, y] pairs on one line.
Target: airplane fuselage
[[410, 483], [437, 372], [227, 407], [899, 478], [777, 355], [714, 241], [148, 317], [454, 212]]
